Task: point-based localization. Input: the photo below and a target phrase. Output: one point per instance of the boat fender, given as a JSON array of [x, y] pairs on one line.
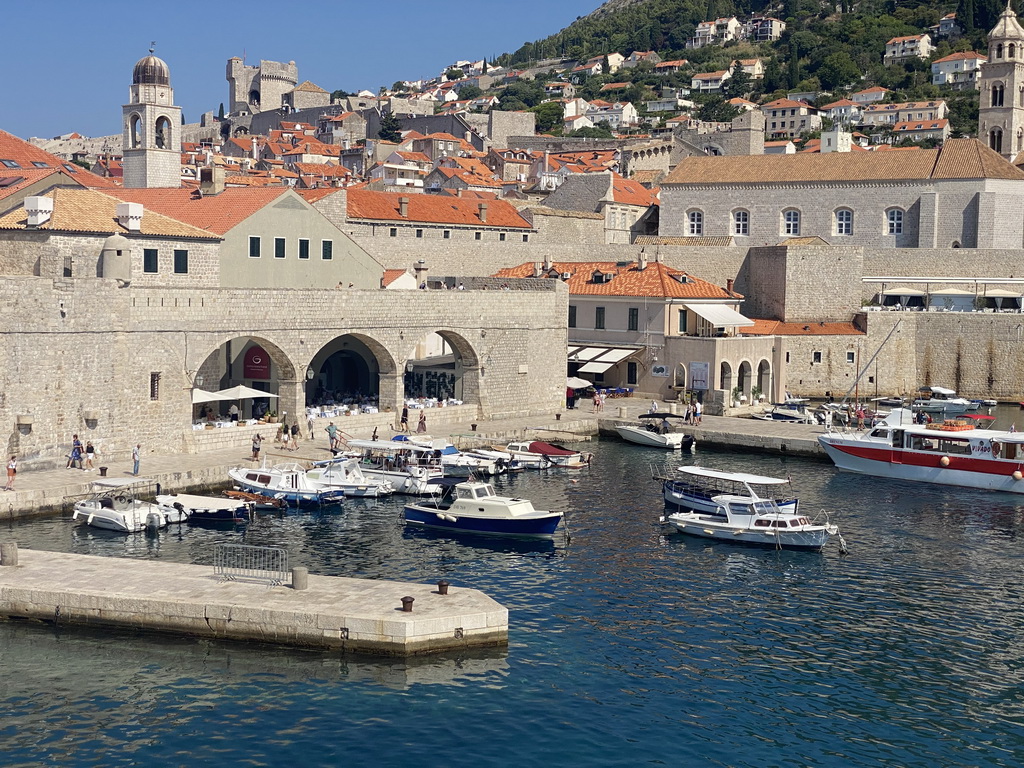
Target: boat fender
[[1017, 475], [944, 461], [441, 516]]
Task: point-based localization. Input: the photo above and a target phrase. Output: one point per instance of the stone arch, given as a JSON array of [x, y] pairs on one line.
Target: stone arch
[[256, 362], [999, 51], [995, 139], [444, 363], [745, 378], [694, 222], [134, 130], [996, 94], [764, 377], [254, 97], [725, 377], [162, 133], [679, 376], [351, 366], [1011, 51]]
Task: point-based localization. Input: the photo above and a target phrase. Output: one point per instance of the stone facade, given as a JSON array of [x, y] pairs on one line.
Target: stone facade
[[259, 88], [151, 128], [1001, 107]]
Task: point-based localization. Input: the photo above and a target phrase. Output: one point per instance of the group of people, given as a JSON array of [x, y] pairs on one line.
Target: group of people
[[403, 424], [692, 414], [82, 457]]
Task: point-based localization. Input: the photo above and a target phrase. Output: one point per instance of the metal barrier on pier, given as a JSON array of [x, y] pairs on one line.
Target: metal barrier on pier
[[242, 562]]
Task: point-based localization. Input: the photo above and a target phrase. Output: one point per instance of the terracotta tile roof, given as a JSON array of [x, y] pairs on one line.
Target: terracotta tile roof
[[614, 86], [413, 157], [213, 213], [655, 281], [956, 159], [920, 125], [390, 275], [14, 179], [313, 195], [676, 63], [88, 210], [251, 181], [960, 56], [630, 192], [840, 103], [432, 209], [709, 75], [704, 241], [308, 86], [786, 104], [468, 194], [28, 155], [777, 328], [905, 38], [872, 89]]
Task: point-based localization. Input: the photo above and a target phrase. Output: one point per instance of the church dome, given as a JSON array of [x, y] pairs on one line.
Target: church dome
[[151, 71], [1007, 28]]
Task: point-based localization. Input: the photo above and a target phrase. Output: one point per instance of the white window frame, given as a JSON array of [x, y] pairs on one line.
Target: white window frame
[[791, 222], [843, 218], [695, 223], [894, 221], [741, 222]]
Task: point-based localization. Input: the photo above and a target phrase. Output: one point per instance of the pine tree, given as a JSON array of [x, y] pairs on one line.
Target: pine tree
[[220, 112], [794, 67], [390, 128]]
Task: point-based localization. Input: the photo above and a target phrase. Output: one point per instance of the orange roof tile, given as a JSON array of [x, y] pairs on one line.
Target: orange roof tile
[[763, 327], [390, 275], [629, 192], [431, 209], [27, 155], [214, 213], [655, 281]]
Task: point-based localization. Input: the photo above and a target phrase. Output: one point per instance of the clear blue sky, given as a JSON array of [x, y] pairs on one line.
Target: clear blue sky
[[67, 64]]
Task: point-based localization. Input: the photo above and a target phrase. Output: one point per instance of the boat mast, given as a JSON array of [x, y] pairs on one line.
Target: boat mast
[[867, 365]]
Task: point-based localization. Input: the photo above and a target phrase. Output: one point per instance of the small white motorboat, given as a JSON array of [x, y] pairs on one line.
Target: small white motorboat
[[406, 465], [345, 475], [208, 509], [454, 462], [286, 481], [475, 508], [794, 410], [114, 506], [651, 432], [503, 460], [942, 400], [535, 454], [747, 519]]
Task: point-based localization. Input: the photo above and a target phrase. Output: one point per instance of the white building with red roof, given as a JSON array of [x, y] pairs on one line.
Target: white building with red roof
[[907, 47], [958, 71]]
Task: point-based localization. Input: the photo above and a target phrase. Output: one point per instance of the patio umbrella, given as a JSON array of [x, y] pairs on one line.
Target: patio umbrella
[[202, 396], [577, 383], [242, 392]]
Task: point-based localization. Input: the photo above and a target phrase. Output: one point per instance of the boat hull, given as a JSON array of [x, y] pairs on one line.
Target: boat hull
[[669, 440], [880, 461], [811, 538], [293, 498], [681, 494], [432, 517]]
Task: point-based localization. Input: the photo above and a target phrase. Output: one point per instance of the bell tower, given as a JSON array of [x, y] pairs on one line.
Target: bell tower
[[151, 128], [1001, 110]]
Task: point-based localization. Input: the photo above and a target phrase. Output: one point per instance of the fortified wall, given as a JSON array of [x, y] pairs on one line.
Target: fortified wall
[[117, 365]]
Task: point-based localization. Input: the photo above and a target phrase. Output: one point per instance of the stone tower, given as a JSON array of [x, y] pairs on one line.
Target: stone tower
[[1001, 111], [151, 125], [254, 89]]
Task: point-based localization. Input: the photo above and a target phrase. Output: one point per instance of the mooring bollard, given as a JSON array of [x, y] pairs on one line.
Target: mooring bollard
[[103, 471], [407, 604], [300, 577], [442, 587], [8, 553]]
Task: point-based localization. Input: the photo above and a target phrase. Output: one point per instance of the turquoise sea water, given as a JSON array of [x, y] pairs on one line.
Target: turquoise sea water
[[626, 647]]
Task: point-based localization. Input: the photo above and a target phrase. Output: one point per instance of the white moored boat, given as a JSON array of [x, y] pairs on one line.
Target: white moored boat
[[286, 481], [942, 400], [535, 454], [793, 410], [114, 506], [476, 508], [954, 452], [406, 465], [695, 488], [651, 432], [346, 475]]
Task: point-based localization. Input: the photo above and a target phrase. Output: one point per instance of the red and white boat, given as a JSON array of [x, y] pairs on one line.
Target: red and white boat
[[954, 452]]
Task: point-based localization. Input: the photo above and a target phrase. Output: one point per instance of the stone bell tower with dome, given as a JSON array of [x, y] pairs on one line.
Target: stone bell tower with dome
[[151, 125], [1001, 108]]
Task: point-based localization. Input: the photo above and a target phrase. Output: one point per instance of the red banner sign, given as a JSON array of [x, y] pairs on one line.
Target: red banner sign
[[257, 363]]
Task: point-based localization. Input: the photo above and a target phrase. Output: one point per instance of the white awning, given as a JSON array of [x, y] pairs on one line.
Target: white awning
[[1002, 293], [609, 355], [720, 315], [595, 367], [951, 292], [903, 292]]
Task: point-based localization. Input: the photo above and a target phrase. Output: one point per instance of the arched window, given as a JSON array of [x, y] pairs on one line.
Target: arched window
[[844, 221], [741, 223], [1012, 51], [894, 221], [135, 137], [999, 51], [695, 224], [162, 133], [997, 95], [791, 222], [995, 140], [1020, 139]]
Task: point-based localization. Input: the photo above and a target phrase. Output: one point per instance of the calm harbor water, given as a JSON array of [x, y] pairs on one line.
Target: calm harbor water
[[626, 647]]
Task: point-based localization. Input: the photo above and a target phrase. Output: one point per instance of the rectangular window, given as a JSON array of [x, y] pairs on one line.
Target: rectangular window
[[631, 373], [599, 318], [150, 261], [278, 247], [850, 356], [634, 319], [894, 217], [501, 237], [816, 357], [419, 233], [476, 235], [572, 315], [791, 220], [526, 238], [180, 262], [154, 385], [844, 221], [393, 232], [741, 223], [254, 247], [682, 322], [327, 250], [447, 234], [303, 249]]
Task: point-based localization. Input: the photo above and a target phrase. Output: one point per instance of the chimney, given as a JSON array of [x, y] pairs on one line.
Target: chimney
[[547, 264], [483, 212], [129, 216], [211, 180], [39, 210], [641, 261], [538, 269], [403, 207], [728, 286], [420, 268]]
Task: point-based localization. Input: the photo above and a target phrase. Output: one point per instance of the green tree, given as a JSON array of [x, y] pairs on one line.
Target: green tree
[[454, 74], [399, 86], [469, 92], [597, 132], [606, 67], [220, 112], [85, 164], [339, 94], [390, 128], [794, 66], [549, 116], [717, 110], [837, 70], [738, 84]]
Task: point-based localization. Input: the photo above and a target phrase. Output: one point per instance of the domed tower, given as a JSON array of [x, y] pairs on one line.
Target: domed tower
[[1001, 109], [151, 126]]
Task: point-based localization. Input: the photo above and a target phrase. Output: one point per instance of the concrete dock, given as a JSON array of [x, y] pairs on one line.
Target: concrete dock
[[331, 613]]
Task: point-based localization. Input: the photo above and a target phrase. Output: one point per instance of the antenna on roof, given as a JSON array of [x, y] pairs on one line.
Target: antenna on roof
[[152, 46]]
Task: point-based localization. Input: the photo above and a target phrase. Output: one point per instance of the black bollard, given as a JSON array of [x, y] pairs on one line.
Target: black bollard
[[407, 604], [442, 587]]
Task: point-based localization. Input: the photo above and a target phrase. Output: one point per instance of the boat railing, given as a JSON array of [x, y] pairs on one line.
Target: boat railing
[[244, 562]]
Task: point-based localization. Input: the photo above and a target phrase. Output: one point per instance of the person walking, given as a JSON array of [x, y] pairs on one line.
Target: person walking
[[90, 454], [405, 418], [136, 457], [12, 470], [75, 457], [332, 435], [309, 423], [698, 411], [654, 406], [421, 427], [374, 435], [293, 444]]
